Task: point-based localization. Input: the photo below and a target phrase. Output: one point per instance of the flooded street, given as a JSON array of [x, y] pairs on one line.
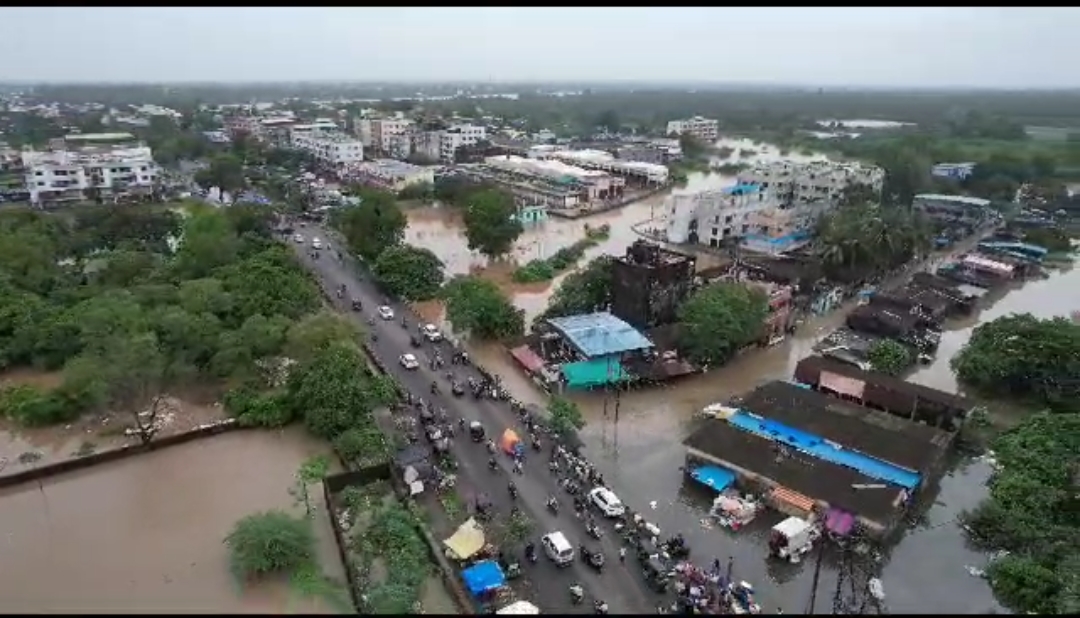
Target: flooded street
[[145, 534], [641, 455]]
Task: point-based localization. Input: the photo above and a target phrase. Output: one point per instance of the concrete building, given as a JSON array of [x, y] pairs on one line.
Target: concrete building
[[649, 283], [645, 173], [380, 133], [641, 153], [589, 185], [953, 171], [241, 123], [457, 137], [277, 132], [329, 147], [12, 176], [112, 164], [389, 174], [951, 208], [710, 217], [427, 145], [704, 129]]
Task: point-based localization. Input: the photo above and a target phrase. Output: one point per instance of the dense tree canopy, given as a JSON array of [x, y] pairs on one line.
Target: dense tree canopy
[[225, 171], [373, 226], [411, 273], [583, 291], [1033, 512], [865, 238], [491, 224], [100, 295], [1024, 357], [479, 307], [719, 319], [269, 542]]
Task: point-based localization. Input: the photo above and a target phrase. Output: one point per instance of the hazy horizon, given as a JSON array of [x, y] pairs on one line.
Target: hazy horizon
[[847, 48]]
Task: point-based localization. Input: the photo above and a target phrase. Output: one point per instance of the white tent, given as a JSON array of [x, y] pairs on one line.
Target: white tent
[[520, 608]]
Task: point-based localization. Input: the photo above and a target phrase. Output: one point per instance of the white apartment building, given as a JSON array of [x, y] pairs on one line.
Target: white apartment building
[[427, 145], [329, 147], [708, 217], [382, 134], [458, 136], [390, 174], [89, 161], [599, 160], [817, 181], [704, 129]]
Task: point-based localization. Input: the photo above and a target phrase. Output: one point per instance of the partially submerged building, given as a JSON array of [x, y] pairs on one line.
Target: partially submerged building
[[809, 451], [914, 402], [649, 284]]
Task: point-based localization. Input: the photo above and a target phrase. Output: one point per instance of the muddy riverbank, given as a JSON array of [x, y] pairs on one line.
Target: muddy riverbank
[[145, 534]]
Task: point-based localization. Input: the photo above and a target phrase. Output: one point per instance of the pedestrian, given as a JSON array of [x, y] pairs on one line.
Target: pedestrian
[[622, 554]]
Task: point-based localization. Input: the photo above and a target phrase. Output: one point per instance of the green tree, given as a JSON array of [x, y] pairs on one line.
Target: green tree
[[373, 226], [318, 331], [225, 171], [565, 415], [491, 224], [313, 470], [336, 391], [479, 307], [408, 272], [360, 445], [583, 291], [719, 319], [1031, 513], [1022, 356], [889, 357], [857, 240], [269, 542]]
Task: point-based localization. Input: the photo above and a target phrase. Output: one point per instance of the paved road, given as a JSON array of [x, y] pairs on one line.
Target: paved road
[[620, 585]]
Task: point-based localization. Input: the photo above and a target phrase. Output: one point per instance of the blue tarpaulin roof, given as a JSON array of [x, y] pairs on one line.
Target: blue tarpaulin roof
[[713, 476], [593, 372], [600, 334], [483, 577]]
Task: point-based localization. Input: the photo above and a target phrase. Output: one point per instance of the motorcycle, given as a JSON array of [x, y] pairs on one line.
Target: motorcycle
[[600, 607], [513, 491], [594, 531], [553, 506], [530, 553], [434, 388], [577, 594], [493, 465]]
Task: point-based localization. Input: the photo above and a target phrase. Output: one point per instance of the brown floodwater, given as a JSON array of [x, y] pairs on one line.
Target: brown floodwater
[[145, 534]]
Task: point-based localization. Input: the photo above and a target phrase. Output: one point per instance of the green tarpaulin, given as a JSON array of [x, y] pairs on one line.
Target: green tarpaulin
[[595, 372]]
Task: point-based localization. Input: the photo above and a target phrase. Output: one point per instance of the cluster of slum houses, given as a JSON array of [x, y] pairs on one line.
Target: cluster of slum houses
[[837, 439]]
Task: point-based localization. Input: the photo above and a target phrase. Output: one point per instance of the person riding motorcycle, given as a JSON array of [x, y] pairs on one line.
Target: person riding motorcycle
[[434, 387], [491, 446], [404, 323], [530, 551], [513, 489], [371, 321], [553, 503], [600, 607], [577, 593], [492, 463]]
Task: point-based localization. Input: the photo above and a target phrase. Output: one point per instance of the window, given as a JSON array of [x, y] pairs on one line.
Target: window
[[39, 173]]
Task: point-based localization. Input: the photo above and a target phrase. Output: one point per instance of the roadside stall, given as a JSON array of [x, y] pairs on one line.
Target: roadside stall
[[486, 582], [466, 542], [510, 443]]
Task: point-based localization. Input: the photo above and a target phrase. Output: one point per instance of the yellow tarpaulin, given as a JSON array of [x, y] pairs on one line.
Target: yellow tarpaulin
[[466, 541]]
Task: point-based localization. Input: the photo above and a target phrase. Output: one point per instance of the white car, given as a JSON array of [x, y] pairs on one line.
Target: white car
[[316, 243], [431, 333], [409, 361], [298, 239], [386, 313], [608, 503]]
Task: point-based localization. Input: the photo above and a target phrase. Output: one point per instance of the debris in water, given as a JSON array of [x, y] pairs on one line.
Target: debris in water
[[652, 505], [975, 571]]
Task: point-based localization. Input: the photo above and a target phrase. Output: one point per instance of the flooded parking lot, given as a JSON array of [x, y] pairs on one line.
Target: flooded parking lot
[[145, 534]]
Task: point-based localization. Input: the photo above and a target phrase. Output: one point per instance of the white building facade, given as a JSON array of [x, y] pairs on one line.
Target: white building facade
[[71, 174], [459, 136], [704, 129], [390, 174], [329, 147], [816, 181], [709, 217]]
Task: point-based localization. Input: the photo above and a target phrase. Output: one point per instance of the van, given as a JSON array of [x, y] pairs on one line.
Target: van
[[558, 548]]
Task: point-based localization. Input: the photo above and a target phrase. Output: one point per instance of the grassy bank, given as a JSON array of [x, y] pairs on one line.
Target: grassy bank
[[564, 259]]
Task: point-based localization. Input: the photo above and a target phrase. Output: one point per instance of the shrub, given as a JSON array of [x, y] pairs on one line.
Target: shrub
[[33, 407], [269, 542]]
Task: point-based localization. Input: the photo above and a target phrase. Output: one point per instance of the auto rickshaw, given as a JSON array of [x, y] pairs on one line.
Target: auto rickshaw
[[646, 549], [415, 342], [357, 305], [656, 575], [476, 431]]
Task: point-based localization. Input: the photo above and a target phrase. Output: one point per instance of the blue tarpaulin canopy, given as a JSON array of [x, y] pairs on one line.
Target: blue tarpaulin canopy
[[713, 476], [483, 577]]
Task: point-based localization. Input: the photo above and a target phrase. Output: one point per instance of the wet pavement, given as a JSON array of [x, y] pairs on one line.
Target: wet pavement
[[621, 587]]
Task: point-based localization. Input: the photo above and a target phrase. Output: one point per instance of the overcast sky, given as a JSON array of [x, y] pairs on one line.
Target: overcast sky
[[936, 47]]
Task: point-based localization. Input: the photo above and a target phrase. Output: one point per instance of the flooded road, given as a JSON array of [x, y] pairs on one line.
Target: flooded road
[[145, 534]]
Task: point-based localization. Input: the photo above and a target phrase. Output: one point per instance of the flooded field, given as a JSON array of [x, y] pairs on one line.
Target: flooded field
[[21, 448], [145, 534]]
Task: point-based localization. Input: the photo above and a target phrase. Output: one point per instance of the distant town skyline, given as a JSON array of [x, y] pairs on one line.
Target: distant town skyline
[[886, 47]]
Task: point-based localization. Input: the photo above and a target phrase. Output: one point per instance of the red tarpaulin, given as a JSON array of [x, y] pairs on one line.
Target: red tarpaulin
[[527, 358]]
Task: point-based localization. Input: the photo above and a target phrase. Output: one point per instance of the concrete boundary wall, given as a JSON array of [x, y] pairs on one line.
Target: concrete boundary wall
[[81, 463]]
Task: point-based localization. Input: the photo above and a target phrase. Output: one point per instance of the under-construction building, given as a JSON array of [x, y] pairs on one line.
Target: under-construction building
[[650, 283]]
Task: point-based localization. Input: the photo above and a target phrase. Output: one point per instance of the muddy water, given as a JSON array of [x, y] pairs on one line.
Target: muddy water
[[145, 534]]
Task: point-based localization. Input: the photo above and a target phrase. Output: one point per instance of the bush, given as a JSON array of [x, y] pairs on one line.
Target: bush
[[566, 417], [534, 271], [250, 409], [270, 542], [33, 407], [361, 445]]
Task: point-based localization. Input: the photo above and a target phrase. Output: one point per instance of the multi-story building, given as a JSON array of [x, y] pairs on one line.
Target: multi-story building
[[646, 173], [704, 129], [952, 209], [242, 123], [111, 164], [427, 145], [12, 176], [277, 132], [382, 134], [390, 174], [649, 283], [588, 185], [458, 136], [329, 147], [953, 171], [710, 217]]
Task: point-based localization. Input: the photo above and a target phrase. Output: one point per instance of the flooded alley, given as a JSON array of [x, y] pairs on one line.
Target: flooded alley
[[145, 534]]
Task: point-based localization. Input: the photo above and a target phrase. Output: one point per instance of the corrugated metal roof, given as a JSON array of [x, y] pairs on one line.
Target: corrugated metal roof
[[600, 334]]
